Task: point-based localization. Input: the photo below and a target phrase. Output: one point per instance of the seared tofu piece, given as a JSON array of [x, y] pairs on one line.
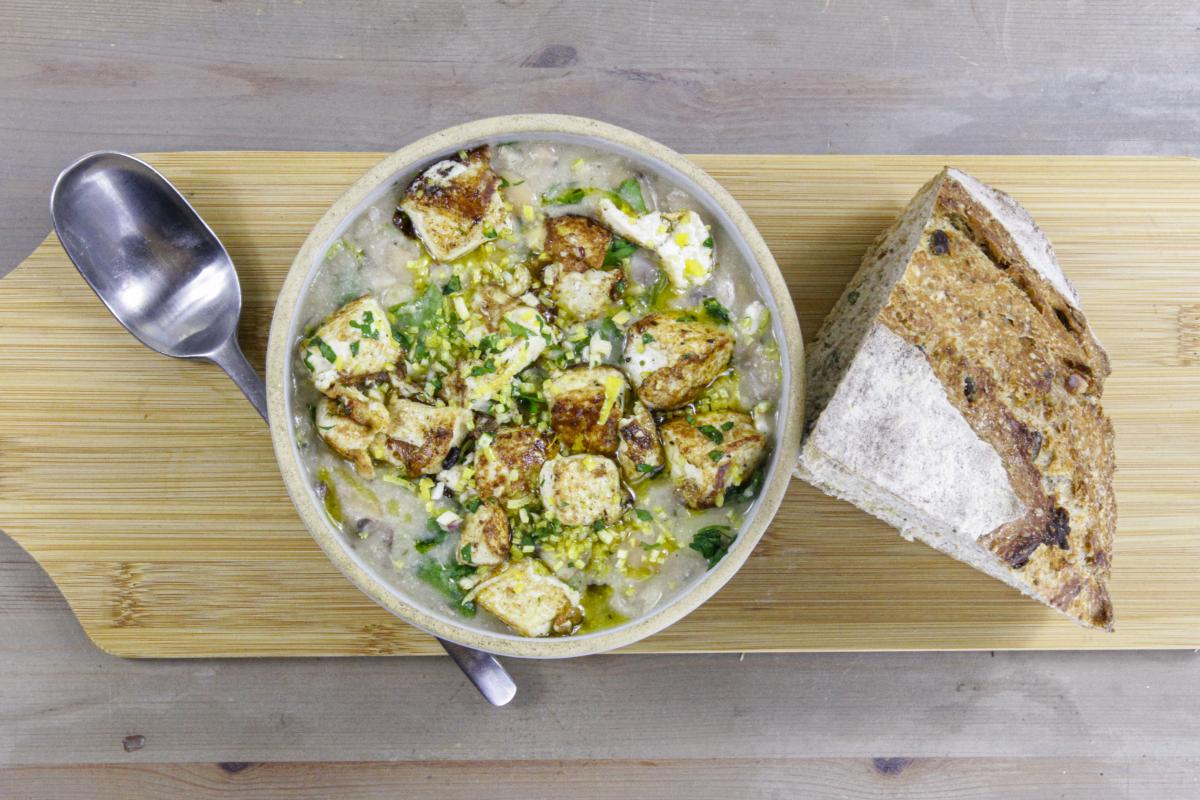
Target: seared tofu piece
[[455, 205], [581, 295], [671, 360], [586, 404], [420, 436], [352, 343], [492, 301], [581, 489], [476, 382], [347, 438], [706, 457], [639, 452], [576, 243], [508, 466], [484, 539], [528, 599], [680, 239]]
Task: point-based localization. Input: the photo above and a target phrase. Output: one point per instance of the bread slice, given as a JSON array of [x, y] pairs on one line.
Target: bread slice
[[954, 392]]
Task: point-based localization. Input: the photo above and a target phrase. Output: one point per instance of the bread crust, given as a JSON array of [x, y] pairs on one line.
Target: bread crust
[[983, 299]]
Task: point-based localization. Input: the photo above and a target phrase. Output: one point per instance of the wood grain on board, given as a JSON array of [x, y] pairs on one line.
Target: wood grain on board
[[147, 487]]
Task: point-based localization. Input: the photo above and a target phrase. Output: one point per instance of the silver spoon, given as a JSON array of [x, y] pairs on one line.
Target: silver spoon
[[167, 278]]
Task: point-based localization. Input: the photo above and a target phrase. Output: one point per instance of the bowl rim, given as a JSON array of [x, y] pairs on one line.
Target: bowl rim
[[331, 540]]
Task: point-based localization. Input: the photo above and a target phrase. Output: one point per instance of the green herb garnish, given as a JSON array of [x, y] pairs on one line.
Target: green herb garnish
[[354, 348], [473, 504], [618, 251], [712, 542], [646, 469], [725, 426], [567, 197], [325, 350], [455, 283], [716, 455], [708, 243], [714, 309], [445, 578], [711, 432], [643, 514], [631, 192], [647, 338], [485, 368], [852, 298], [465, 553]]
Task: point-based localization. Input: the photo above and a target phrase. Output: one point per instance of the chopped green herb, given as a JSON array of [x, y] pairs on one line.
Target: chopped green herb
[[518, 330], [453, 285], [643, 514], [490, 343], [612, 334], [631, 192], [505, 183], [473, 504], [716, 455], [712, 542], [852, 298], [367, 326], [325, 350], [708, 243], [445, 578], [618, 251], [711, 432], [714, 309], [354, 347], [567, 197], [465, 553], [490, 233], [421, 313], [598, 525], [438, 536], [750, 488], [485, 368], [646, 468], [307, 359], [647, 338], [727, 425]]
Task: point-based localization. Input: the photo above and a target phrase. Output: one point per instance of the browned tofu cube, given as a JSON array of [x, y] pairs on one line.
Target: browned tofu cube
[[585, 408], [455, 205], [347, 438], [484, 539], [419, 436], [576, 243], [671, 360], [507, 467], [581, 490], [528, 599], [639, 453], [710, 454]]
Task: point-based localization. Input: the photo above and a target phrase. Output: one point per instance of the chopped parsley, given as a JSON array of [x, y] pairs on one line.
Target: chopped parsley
[[716, 455], [647, 338], [367, 326], [708, 243], [445, 578], [354, 347], [485, 368], [618, 251], [727, 425], [631, 192], [643, 514], [712, 542], [465, 553], [711, 432], [646, 468], [473, 504], [455, 283], [430, 542], [714, 309], [567, 197], [325, 350]]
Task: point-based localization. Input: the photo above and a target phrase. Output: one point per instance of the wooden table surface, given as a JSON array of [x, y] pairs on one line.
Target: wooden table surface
[[760, 76]]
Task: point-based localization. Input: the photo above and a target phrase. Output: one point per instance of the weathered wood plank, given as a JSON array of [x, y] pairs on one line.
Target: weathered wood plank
[[894, 778], [711, 76]]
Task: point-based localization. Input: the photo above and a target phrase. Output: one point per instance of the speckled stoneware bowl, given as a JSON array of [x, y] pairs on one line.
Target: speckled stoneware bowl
[[716, 204]]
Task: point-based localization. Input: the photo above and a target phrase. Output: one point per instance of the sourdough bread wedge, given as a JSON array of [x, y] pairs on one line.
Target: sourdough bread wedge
[[954, 392]]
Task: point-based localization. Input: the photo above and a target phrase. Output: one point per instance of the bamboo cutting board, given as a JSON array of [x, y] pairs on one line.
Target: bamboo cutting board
[[147, 488]]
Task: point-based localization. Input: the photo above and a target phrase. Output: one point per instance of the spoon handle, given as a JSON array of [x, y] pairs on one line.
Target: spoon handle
[[230, 358], [482, 669]]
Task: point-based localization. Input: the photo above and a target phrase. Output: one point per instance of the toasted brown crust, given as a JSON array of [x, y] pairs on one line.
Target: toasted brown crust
[[576, 243], [639, 453], [1019, 362], [468, 202], [575, 413], [702, 469]]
